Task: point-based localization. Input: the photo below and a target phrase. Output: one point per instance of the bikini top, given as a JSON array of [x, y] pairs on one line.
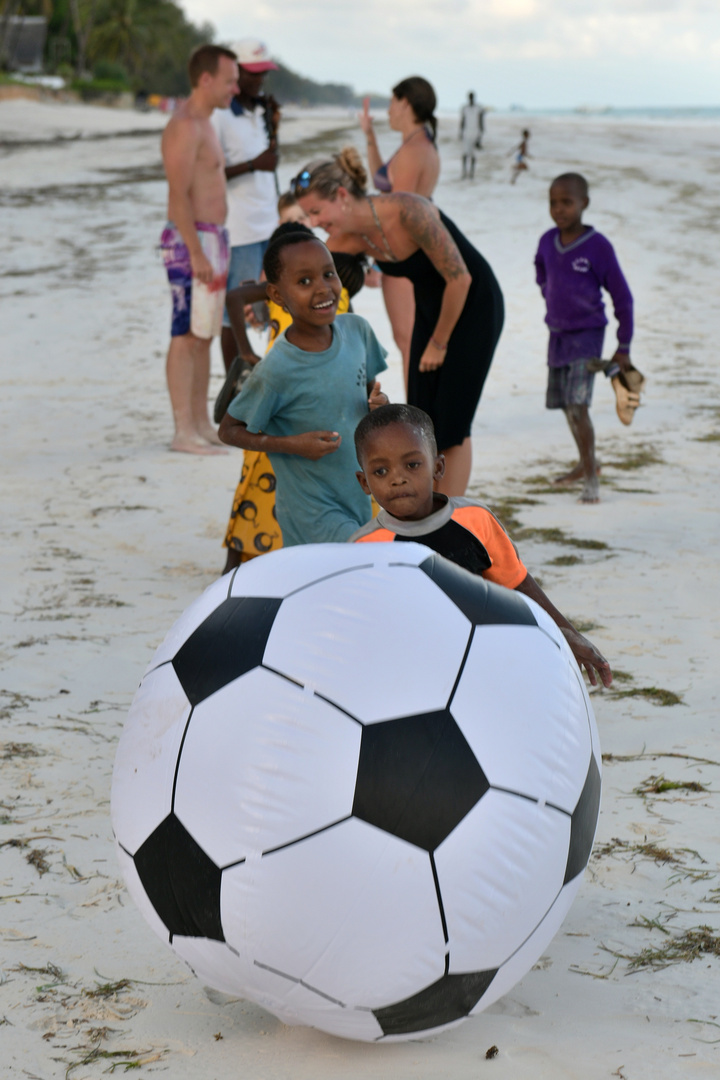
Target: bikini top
[[381, 180]]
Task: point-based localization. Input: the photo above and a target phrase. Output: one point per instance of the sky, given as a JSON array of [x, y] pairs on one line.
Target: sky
[[534, 53]]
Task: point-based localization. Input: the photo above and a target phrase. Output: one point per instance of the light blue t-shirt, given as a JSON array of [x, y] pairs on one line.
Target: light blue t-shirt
[[292, 391]]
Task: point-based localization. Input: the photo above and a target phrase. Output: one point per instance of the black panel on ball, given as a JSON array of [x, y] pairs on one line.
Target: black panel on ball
[[181, 881], [228, 644], [583, 823], [451, 998], [483, 602], [417, 778]]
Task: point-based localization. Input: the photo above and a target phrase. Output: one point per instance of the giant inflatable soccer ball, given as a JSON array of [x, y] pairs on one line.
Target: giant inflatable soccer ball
[[358, 785]]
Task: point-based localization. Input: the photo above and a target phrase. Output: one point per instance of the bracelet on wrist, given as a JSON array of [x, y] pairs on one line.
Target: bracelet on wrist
[[436, 345]]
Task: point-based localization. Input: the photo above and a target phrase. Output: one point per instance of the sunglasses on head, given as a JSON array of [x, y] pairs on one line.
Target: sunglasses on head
[[300, 183]]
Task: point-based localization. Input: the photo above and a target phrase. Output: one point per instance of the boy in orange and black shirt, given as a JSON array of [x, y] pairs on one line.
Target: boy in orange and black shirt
[[398, 456]]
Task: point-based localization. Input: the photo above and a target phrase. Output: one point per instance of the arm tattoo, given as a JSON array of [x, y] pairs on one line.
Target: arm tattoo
[[429, 233]]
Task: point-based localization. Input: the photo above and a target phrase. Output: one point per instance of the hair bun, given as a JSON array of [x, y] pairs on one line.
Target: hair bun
[[350, 162]]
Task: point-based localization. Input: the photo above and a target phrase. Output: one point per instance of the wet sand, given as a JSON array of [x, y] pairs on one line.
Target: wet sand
[[107, 536]]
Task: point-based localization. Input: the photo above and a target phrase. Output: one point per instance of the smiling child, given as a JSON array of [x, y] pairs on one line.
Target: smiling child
[[302, 402], [400, 464]]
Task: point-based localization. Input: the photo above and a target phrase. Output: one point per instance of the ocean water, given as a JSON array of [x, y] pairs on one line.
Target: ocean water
[[669, 112]]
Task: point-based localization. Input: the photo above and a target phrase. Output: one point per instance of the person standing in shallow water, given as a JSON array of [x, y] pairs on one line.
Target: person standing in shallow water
[[521, 154], [458, 304], [414, 167], [195, 244], [471, 132]]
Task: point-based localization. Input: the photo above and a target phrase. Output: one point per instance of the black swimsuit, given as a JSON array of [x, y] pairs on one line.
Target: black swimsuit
[[450, 395]]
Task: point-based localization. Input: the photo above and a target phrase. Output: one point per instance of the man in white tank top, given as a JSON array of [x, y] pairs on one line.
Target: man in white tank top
[[247, 133], [471, 132]]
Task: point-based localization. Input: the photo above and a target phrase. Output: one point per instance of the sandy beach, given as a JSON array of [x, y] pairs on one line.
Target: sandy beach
[[107, 536]]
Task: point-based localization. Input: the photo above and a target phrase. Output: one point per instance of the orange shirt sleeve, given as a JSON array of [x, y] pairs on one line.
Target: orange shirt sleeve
[[375, 536], [506, 569]]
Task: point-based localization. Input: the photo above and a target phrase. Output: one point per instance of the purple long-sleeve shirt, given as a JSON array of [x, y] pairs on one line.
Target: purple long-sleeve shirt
[[572, 279]]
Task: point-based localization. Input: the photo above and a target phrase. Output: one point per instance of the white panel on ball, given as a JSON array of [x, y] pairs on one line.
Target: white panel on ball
[[264, 762], [531, 949], [214, 964], [350, 876], [545, 623], [403, 673], [146, 756], [293, 569], [550, 723], [510, 887]]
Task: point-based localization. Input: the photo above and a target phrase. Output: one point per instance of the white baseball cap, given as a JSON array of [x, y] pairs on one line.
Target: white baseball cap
[[253, 55]]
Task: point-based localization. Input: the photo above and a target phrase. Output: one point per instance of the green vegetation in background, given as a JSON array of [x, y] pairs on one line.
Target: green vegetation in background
[[146, 42], [288, 87], [144, 45]]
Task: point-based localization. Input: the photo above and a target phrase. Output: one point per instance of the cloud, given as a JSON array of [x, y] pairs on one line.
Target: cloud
[[472, 28], [372, 44]]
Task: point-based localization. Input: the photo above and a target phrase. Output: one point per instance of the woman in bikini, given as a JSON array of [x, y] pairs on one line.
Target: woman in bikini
[[458, 303], [414, 167]]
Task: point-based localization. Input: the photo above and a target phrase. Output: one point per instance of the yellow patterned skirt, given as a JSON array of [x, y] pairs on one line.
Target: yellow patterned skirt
[[253, 529]]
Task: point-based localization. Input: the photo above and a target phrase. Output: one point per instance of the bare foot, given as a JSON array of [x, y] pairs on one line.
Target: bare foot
[[590, 492], [195, 445], [573, 476], [210, 435]]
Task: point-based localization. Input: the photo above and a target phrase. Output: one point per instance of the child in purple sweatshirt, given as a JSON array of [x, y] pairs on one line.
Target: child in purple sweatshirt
[[574, 263]]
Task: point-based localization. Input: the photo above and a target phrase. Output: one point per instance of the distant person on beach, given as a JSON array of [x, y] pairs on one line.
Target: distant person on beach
[[459, 307], [521, 153], [399, 464], [414, 167], [248, 135], [301, 405], [472, 126], [195, 243], [574, 263]]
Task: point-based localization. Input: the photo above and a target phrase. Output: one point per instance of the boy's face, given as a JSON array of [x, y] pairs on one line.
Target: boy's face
[[294, 213], [399, 470], [567, 205], [309, 287]]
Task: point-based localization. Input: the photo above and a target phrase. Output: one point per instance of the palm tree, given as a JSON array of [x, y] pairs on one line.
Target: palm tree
[[123, 34], [83, 17]]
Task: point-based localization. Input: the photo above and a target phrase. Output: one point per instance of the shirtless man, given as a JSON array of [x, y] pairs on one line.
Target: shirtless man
[[195, 243]]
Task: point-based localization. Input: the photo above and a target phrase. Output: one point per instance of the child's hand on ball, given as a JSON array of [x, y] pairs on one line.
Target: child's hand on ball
[[588, 657]]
